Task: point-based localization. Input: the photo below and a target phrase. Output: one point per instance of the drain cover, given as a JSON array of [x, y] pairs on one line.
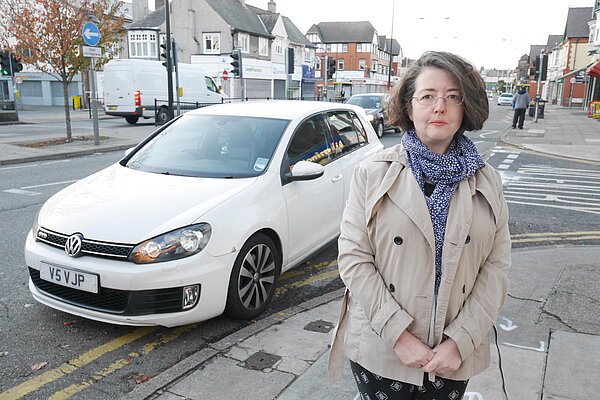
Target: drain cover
[[319, 326], [261, 360]]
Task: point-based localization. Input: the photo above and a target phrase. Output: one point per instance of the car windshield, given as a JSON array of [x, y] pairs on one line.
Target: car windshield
[[211, 146], [506, 95], [365, 101]]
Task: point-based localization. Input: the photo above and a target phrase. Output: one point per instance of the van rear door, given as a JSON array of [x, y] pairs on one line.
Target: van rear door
[[118, 88]]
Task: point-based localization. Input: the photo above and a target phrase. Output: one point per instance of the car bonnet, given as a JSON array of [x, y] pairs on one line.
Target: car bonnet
[[122, 205]]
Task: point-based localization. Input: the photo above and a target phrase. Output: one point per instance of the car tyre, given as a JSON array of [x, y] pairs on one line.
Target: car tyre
[[252, 281], [379, 129], [131, 119], [162, 117]]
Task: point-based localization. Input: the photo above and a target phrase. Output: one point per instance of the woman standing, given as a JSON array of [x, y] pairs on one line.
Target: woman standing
[[424, 249]]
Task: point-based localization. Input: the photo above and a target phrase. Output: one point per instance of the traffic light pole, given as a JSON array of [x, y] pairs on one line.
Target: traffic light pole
[[169, 59], [325, 75]]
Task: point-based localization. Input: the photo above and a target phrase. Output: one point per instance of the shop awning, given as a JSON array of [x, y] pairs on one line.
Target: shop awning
[[594, 69]]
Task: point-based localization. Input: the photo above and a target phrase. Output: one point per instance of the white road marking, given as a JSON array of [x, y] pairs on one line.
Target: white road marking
[[542, 131], [503, 166], [48, 184], [542, 347], [512, 156], [509, 325], [22, 192]]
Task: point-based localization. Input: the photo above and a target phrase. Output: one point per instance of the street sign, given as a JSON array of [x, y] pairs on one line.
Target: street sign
[[572, 80], [225, 75], [94, 52], [91, 34], [18, 80]]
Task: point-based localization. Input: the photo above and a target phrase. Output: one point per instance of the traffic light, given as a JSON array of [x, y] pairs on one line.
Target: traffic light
[[536, 68], [330, 67], [236, 55], [16, 64], [164, 55], [4, 63], [290, 61], [544, 67]]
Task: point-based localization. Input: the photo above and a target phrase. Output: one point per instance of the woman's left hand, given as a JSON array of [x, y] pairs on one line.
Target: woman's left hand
[[446, 358]]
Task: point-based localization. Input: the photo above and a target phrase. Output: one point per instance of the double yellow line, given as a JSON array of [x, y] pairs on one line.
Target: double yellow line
[[555, 236]]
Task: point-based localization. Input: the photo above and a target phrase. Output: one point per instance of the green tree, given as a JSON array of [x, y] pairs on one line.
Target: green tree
[[47, 34], [501, 86]]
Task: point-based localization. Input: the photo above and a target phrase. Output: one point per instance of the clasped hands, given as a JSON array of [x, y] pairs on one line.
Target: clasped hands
[[442, 359]]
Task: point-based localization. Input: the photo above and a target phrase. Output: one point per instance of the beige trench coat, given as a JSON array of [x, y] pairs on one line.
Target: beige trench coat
[[387, 261]]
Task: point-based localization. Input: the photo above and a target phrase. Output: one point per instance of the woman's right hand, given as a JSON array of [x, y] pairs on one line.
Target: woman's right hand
[[411, 351]]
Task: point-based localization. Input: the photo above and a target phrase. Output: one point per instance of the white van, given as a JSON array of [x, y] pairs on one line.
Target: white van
[[131, 86]]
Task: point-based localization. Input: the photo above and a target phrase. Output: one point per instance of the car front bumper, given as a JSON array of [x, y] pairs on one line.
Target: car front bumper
[[133, 294]]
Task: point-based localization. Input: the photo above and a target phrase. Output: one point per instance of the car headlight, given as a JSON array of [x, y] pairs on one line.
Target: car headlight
[[370, 117], [173, 245]]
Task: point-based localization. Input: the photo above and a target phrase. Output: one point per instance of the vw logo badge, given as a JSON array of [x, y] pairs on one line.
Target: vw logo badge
[[73, 245]]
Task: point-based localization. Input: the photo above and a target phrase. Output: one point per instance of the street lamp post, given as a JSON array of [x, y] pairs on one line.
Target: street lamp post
[[391, 52]]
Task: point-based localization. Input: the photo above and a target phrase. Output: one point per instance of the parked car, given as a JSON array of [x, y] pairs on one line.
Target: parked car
[[505, 99], [202, 216], [374, 105]]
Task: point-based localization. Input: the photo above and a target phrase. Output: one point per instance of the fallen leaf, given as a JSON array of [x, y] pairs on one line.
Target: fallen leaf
[[67, 323], [38, 366], [141, 378]]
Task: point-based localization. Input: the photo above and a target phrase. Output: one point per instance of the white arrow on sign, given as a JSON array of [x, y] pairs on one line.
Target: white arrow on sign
[[89, 34]]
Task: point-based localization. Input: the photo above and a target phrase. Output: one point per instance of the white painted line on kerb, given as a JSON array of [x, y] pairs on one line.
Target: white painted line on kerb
[[592, 140], [512, 156], [508, 161], [536, 130]]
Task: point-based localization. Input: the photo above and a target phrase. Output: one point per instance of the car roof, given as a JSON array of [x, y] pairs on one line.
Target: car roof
[[506, 94], [279, 109], [368, 94]]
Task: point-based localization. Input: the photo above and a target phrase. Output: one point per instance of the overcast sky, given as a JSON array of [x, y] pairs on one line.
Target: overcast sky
[[492, 34]]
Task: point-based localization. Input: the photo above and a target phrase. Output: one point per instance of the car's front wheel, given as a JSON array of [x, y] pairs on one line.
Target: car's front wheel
[[379, 129], [252, 281]]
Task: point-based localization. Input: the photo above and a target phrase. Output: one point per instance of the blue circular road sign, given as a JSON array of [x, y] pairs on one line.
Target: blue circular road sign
[[91, 34]]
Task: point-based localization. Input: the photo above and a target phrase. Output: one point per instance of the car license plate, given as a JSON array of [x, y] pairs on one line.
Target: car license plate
[[112, 108], [69, 277]]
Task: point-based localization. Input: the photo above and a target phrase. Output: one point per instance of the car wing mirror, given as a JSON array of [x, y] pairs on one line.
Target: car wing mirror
[[304, 171]]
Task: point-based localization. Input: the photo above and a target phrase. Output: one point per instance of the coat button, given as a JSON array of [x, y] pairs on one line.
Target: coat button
[[468, 239], [398, 240], [392, 288], [464, 289]]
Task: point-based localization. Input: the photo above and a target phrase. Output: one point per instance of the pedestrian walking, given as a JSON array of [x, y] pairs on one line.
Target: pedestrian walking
[[424, 249], [520, 102]]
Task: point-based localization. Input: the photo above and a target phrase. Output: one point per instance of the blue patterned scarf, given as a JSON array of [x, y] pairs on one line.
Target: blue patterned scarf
[[445, 170]]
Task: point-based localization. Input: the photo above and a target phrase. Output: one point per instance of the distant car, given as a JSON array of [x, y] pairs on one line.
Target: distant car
[[505, 99], [202, 216], [374, 105]]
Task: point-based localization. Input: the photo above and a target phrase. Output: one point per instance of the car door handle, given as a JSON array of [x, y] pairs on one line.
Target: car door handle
[[337, 178]]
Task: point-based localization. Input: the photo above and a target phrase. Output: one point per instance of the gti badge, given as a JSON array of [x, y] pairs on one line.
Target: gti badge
[[73, 245]]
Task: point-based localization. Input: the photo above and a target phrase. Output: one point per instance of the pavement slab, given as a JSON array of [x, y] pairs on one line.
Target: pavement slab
[[573, 365]]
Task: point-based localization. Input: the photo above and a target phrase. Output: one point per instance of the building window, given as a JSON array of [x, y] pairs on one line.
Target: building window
[[244, 42], [278, 43], [212, 43], [308, 55], [340, 64], [344, 48], [359, 48], [362, 64], [374, 67], [263, 46], [328, 48], [142, 44]]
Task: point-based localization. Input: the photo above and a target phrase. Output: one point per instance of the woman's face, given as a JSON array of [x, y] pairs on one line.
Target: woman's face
[[436, 124]]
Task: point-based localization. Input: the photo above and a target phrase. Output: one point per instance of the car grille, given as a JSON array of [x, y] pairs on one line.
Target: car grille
[[88, 246], [122, 302]]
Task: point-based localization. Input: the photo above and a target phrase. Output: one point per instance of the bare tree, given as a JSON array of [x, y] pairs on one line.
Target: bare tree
[[47, 34]]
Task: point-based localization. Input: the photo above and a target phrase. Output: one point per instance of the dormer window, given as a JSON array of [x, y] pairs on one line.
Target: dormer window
[[142, 44], [212, 43]]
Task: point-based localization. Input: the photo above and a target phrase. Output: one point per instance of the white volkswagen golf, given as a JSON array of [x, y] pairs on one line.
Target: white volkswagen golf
[[202, 216]]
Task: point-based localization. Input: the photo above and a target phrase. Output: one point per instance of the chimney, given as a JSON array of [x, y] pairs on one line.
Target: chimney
[[158, 4], [272, 6], [243, 2], [139, 9]]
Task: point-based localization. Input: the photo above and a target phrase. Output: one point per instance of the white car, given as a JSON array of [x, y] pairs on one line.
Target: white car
[[202, 216], [505, 99]]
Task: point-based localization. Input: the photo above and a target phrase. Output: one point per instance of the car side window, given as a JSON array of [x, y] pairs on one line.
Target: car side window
[[310, 142], [347, 136]]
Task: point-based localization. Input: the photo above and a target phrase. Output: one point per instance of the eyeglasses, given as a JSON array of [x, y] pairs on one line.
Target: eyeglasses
[[449, 100]]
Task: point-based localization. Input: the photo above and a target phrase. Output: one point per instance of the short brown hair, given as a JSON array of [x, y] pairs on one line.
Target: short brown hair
[[470, 84]]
